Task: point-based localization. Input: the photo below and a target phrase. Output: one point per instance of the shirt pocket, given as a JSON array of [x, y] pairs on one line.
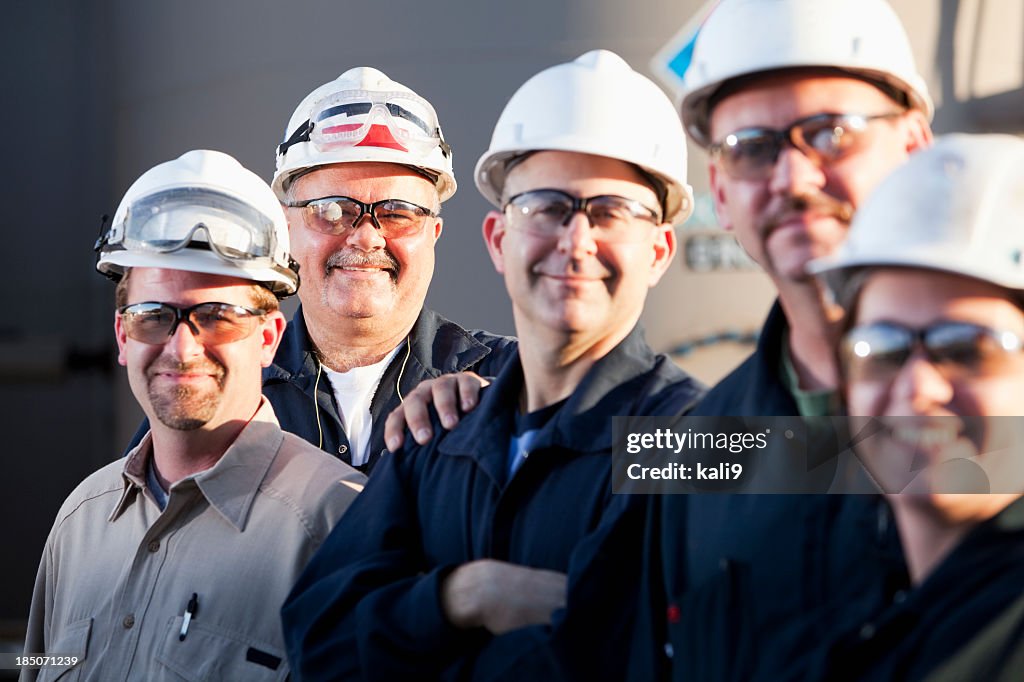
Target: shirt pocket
[[73, 640], [210, 653]]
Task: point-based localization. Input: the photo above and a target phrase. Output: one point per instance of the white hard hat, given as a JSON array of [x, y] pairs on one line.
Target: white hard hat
[[364, 116], [744, 37], [957, 207], [596, 105], [202, 212]]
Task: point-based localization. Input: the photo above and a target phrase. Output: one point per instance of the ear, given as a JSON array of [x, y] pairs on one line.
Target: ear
[[919, 133], [437, 229], [718, 196], [271, 330], [494, 237], [122, 339], [664, 250]]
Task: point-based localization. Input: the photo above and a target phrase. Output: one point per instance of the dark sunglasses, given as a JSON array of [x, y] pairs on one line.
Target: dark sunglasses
[[394, 218], [212, 323], [613, 218], [876, 352], [751, 153]]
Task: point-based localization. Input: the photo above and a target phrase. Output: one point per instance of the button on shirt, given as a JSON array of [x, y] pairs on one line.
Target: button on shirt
[[117, 573]]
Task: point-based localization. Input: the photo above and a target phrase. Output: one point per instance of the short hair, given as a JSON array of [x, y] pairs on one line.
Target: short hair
[[262, 297]]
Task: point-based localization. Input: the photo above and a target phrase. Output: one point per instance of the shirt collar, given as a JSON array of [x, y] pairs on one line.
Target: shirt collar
[[230, 485]]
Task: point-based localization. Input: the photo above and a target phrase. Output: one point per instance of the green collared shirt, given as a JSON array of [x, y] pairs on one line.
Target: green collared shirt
[[816, 403]]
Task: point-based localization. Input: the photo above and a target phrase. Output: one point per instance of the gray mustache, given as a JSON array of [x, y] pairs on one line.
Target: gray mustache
[[376, 259]]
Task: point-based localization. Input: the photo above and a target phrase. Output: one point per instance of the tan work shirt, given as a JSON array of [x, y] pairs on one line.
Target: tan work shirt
[[117, 574]]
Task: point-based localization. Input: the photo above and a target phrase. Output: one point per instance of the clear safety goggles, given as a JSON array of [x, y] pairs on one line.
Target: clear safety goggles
[[173, 220], [351, 118]]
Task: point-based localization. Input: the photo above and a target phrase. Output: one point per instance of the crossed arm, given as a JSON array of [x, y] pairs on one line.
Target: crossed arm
[[370, 605]]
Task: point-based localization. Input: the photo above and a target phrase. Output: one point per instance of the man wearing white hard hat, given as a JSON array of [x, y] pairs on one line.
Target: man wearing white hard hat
[[173, 562], [478, 555], [804, 106], [932, 349], [362, 172]]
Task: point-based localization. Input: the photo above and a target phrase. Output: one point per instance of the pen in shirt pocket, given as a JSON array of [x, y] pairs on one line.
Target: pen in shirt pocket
[[190, 612]]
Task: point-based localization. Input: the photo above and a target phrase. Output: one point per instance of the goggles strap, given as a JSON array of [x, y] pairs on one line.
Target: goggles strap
[[104, 234], [446, 149], [301, 134]]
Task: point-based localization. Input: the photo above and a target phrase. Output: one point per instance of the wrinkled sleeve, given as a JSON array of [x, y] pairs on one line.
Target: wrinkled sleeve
[[368, 605], [589, 639]]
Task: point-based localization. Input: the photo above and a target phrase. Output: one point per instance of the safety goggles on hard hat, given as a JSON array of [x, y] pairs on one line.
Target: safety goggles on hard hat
[[751, 153], [211, 323], [545, 212], [877, 352], [172, 220], [352, 118]]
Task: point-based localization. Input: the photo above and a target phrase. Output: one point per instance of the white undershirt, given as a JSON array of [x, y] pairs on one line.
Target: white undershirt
[[353, 391]]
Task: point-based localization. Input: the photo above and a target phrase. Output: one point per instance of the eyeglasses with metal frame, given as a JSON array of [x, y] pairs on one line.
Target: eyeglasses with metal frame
[[751, 153]]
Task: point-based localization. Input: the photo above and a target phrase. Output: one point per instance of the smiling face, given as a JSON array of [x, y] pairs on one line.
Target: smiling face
[[941, 436], [570, 283], [183, 383], [358, 276], [801, 210]]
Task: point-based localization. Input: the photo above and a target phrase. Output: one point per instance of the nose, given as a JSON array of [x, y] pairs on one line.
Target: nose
[[919, 386], [794, 173], [183, 343], [577, 236], [364, 235]]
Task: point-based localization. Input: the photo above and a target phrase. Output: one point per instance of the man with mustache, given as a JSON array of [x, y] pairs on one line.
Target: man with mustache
[[174, 561], [804, 106], [478, 556], [362, 172]]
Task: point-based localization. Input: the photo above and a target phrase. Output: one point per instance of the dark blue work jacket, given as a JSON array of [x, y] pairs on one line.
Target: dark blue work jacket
[[736, 584], [367, 606], [965, 621], [436, 346]]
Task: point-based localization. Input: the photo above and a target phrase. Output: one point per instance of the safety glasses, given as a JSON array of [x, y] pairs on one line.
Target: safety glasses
[[751, 153], [876, 352], [211, 323], [544, 212], [394, 218], [394, 120], [173, 220]]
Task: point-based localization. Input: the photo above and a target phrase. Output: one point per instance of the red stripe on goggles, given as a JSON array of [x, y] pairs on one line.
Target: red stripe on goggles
[[352, 118]]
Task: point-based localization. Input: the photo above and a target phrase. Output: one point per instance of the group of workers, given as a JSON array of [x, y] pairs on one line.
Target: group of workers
[[236, 541]]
